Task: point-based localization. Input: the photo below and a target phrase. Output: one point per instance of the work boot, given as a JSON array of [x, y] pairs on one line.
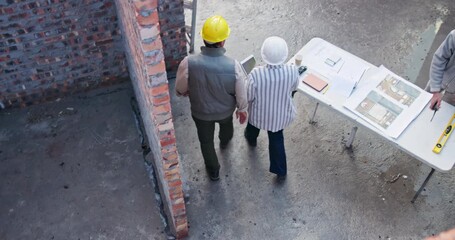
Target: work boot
[[280, 178], [214, 175], [223, 145]]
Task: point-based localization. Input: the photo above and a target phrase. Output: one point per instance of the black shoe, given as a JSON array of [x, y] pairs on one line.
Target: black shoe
[[280, 177], [250, 143], [214, 175], [223, 145]]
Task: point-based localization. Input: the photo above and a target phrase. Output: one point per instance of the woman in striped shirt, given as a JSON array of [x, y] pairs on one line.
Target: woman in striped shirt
[[270, 104]]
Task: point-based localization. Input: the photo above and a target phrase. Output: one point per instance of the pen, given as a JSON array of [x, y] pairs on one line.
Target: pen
[[435, 108], [435, 105], [357, 83], [361, 76]]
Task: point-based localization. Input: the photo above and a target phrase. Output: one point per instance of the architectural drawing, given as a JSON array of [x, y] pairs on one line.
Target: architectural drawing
[[398, 90], [387, 101], [379, 110]]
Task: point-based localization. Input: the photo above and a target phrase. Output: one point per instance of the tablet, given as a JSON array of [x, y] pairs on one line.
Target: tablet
[[248, 64]]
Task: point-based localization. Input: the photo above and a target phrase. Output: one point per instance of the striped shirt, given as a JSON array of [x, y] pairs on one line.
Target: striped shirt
[[270, 104]]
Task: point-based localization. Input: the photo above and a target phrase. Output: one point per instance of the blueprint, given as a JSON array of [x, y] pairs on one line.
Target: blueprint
[[388, 102]]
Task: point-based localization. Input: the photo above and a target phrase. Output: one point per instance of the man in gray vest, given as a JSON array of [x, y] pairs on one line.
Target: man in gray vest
[[442, 73], [215, 85]]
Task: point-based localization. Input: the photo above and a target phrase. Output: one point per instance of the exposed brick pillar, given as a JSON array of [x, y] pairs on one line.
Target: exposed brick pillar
[[144, 50]]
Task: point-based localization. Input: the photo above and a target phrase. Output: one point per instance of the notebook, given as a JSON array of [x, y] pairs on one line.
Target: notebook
[[315, 82]]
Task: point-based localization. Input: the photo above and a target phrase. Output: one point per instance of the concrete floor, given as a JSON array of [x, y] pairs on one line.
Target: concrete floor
[[331, 192], [74, 169]]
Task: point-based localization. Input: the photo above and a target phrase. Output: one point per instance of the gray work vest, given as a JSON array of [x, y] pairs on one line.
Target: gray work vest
[[211, 84]]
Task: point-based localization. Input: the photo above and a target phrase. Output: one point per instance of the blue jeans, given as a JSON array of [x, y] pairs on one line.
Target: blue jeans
[[277, 153], [205, 133]]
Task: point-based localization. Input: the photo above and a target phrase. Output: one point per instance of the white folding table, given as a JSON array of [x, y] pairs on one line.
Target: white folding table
[[418, 139]]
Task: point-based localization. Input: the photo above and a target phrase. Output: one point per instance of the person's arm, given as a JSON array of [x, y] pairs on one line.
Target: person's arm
[[295, 75], [181, 80], [251, 93], [447, 235], [240, 93], [438, 65]]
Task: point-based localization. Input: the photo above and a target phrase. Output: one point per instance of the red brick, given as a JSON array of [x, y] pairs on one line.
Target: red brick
[[168, 164], [4, 58], [165, 129], [175, 196], [168, 149], [160, 100], [158, 79], [145, 4], [169, 156], [181, 221], [148, 33], [172, 177], [167, 142], [153, 57], [179, 209], [157, 68], [170, 160], [8, 10], [163, 117], [178, 199], [147, 47], [171, 172], [175, 190], [162, 109], [182, 231], [164, 88], [175, 183], [149, 20]]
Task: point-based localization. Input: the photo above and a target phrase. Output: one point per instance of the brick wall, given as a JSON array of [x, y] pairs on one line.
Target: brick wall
[[49, 48], [172, 22], [144, 50]]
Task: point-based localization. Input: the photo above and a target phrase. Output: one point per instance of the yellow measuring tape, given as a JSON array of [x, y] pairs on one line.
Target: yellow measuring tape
[[445, 135]]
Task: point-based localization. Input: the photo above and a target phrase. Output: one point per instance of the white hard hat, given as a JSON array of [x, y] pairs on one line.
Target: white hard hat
[[274, 50]]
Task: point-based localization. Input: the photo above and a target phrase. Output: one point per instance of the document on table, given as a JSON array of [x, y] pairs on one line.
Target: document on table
[[388, 102], [325, 60], [352, 71], [342, 71], [345, 82], [340, 86]]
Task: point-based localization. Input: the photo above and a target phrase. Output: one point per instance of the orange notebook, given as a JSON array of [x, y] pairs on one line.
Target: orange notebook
[[315, 82]]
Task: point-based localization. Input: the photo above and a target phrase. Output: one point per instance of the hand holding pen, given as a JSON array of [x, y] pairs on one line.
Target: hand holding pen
[[435, 102]]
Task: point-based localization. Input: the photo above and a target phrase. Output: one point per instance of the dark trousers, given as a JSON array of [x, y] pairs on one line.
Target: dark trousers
[[205, 133], [277, 153]]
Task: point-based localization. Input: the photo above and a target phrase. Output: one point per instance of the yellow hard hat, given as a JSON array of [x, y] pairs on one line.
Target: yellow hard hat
[[215, 29]]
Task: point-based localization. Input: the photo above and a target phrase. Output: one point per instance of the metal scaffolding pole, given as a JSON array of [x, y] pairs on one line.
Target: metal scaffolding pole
[[191, 29]]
